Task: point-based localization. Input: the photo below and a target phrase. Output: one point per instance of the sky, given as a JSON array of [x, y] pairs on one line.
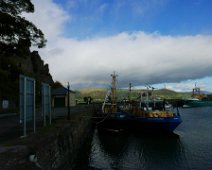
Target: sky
[[162, 43]]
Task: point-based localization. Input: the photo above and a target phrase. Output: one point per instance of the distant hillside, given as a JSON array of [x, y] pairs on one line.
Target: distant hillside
[[170, 94], [99, 94]]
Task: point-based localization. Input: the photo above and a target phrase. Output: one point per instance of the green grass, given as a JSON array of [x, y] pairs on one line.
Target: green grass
[[99, 94]]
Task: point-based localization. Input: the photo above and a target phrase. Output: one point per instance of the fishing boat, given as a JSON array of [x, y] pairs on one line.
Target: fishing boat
[[154, 121], [111, 118], [198, 99], [196, 103], [152, 115], [146, 115]]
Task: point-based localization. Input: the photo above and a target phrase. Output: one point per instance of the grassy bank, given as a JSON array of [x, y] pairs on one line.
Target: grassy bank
[[99, 94]]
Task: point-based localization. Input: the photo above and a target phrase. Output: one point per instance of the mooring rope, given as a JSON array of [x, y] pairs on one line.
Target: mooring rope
[[98, 117], [103, 119]]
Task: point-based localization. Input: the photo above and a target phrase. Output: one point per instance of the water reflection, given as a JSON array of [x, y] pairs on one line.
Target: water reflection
[[158, 152], [191, 150], [133, 151], [113, 144], [108, 150]]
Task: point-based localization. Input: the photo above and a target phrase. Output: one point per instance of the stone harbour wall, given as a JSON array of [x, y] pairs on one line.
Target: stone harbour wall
[[53, 147]]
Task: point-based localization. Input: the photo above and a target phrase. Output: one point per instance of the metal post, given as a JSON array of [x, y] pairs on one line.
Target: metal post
[[147, 98], [130, 89], [44, 104], [178, 113], [34, 105], [24, 108], [50, 111], [68, 102]]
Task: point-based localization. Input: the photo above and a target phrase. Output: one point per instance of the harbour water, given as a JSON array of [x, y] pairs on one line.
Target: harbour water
[[189, 149]]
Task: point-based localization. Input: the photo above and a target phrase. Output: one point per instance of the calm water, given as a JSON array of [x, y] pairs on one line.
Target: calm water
[[189, 149]]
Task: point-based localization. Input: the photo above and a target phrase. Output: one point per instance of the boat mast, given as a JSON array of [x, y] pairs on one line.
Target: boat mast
[[113, 92], [147, 97], [130, 89]]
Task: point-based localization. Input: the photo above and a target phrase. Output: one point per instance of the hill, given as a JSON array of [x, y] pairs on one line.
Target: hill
[[99, 94]]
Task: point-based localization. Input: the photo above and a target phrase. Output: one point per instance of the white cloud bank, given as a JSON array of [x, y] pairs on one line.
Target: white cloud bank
[[137, 57], [49, 17]]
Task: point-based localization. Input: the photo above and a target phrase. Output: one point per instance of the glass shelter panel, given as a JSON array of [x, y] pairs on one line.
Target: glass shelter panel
[[27, 100]]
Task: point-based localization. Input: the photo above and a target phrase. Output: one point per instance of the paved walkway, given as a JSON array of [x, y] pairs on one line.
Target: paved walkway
[[10, 127]]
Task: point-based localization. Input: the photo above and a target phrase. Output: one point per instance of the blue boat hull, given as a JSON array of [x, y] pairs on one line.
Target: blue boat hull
[[155, 124], [115, 123], [123, 121]]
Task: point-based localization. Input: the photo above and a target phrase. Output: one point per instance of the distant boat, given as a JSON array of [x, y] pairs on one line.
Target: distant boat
[[187, 101], [196, 103], [148, 116], [197, 99]]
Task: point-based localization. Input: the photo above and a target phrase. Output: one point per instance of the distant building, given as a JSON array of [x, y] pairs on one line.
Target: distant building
[[60, 97]]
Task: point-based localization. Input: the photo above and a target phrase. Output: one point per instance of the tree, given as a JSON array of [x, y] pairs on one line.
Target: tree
[[15, 28], [57, 84]]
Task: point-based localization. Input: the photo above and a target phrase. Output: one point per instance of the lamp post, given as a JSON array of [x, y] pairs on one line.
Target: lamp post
[[68, 102]]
